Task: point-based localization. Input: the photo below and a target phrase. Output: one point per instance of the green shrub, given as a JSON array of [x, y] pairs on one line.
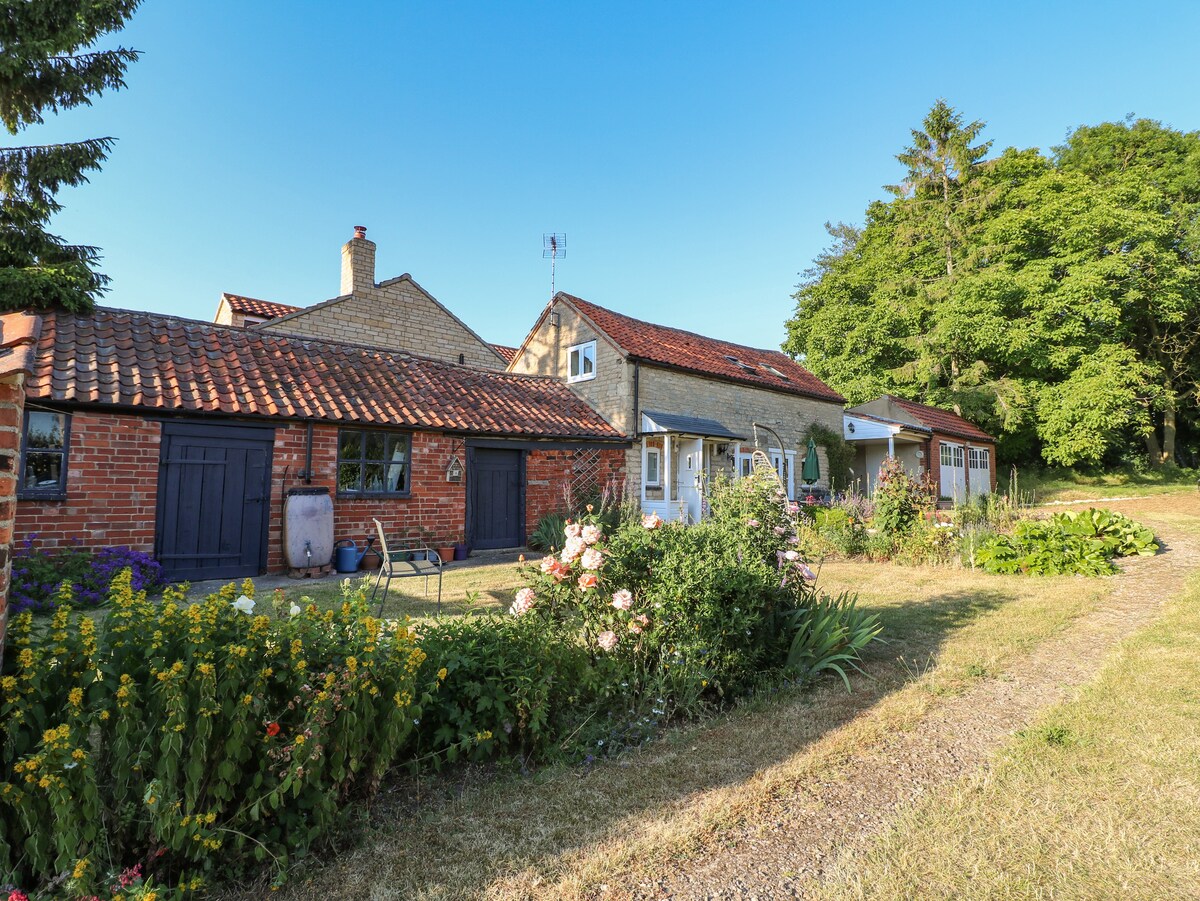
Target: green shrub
[[547, 535], [511, 686], [200, 738], [927, 544], [683, 615], [899, 498], [1082, 543]]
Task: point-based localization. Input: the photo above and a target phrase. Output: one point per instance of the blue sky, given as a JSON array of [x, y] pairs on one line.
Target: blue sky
[[690, 151]]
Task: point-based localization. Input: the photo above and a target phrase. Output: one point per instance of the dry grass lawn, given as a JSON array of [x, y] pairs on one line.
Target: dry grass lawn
[[1099, 799], [564, 832]]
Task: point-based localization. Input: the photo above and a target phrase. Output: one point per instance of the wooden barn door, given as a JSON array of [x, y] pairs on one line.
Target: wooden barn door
[[214, 498], [497, 498]]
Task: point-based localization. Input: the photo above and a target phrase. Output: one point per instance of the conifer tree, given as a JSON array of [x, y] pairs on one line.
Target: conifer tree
[[47, 65]]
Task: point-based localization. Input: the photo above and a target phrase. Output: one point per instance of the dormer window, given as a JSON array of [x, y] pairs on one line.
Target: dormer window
[[581, 359], [738, 363]]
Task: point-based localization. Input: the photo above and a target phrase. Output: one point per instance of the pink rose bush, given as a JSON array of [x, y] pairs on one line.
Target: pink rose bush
[[523, 603]]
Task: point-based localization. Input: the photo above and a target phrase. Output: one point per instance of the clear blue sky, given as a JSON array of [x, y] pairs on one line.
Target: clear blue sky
[[690, 151]]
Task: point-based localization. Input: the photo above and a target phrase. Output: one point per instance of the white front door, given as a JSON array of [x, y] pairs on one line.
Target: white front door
[[691, 476], [954, 472]]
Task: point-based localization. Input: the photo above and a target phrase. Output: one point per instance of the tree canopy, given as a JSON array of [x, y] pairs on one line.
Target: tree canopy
[[1053, 299], [47, 66]]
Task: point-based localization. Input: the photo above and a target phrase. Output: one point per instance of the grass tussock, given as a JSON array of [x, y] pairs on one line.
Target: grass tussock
[[1098, 799]]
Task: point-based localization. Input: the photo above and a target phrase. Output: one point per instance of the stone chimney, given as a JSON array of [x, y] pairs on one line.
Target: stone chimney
[[358, 262]]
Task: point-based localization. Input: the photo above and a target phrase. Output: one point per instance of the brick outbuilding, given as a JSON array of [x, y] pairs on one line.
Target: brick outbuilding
[[183, 438]]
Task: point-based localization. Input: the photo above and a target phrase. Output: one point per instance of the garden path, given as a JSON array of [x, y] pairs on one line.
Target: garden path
[[787, 849]]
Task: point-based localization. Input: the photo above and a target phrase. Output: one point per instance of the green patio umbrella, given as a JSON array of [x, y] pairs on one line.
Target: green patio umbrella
[[811, 470]]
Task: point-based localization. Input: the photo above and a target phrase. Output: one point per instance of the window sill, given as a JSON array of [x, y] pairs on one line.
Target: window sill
[[372, 495], [41, 496], [571, 380]]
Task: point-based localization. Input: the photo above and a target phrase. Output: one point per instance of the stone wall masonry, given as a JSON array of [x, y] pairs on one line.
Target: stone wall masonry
[[736, 407], [610, 393], [398, 316]]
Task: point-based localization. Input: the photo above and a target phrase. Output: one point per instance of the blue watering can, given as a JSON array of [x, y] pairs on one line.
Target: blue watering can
[[347, 557]]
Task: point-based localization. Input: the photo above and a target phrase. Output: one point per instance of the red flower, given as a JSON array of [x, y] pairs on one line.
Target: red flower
[[18, 895], [272, 729]]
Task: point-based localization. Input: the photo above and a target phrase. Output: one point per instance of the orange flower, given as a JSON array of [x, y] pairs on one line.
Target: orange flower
[[588, 580], [272, 729]]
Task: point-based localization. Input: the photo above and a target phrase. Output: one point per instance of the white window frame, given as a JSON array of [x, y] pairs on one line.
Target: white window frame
[[656, 453], [783, 461], [586, 352]]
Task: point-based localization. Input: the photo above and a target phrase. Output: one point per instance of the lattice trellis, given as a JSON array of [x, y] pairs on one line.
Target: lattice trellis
[[585, 472]]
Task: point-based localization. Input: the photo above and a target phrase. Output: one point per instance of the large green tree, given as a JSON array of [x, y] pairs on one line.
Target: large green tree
[[1058, 307], [49, 64]]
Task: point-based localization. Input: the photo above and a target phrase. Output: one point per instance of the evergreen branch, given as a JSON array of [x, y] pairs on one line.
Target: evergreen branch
[[29, 87]]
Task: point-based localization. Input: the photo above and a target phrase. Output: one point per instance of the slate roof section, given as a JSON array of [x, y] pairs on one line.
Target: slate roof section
[[252, 306], [509, 353], [940, 420], [691, 425], [159, 363], [679, 349]]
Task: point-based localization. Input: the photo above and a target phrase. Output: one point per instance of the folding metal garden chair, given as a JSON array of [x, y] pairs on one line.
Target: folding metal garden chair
[[403, 561]]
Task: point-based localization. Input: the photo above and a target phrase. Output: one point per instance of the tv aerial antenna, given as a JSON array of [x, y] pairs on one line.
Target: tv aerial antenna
[[554, 248]]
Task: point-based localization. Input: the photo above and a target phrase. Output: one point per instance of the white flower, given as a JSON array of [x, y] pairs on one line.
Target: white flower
[[573, 548], [523, 603], [573, 529], [592, 559], [244, 604], [791, 555], [622, 600], [651, 521], [294, 610], [591, 534]]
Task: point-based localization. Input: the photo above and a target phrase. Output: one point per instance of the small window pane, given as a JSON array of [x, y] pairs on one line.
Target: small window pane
[[398, 448], [349, 444], [589, 361], [652, 477], [46, 430], [376, 446], [349, 475], [373, 477], [43, 470], [397, 477]]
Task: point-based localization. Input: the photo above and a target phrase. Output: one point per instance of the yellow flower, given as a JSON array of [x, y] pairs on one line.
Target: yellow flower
[[75, 697], [9, 683], [104, 715], [442, 673], [299, 740], [248, 700], [150, 896], [44, 782], [80, 869], [78, 754], [351, 664], [25, 658]]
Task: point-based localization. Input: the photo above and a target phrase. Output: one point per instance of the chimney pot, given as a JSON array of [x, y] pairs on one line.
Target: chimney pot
[[360, 231]]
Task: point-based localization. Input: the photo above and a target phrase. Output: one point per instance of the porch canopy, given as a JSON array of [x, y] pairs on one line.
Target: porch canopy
[[691, 426]]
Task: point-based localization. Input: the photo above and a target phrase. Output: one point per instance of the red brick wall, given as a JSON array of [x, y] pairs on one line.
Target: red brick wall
[[12, 400], [436, 505], [112, 483], [546, 472], [112, 486]]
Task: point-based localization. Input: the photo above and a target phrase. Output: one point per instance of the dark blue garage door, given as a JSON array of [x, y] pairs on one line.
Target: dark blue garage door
[[497, 498], [214, 491]]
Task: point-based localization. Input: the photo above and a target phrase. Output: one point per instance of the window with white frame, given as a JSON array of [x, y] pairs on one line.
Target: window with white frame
[[784, 463], [581, 362], [979, 458], [653, 467]]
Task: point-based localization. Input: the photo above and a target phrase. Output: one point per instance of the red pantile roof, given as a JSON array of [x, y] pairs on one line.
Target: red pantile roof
[[505, 351], [160, 363], [940, 420], [251, 306], [712, 357], [18, 336]]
